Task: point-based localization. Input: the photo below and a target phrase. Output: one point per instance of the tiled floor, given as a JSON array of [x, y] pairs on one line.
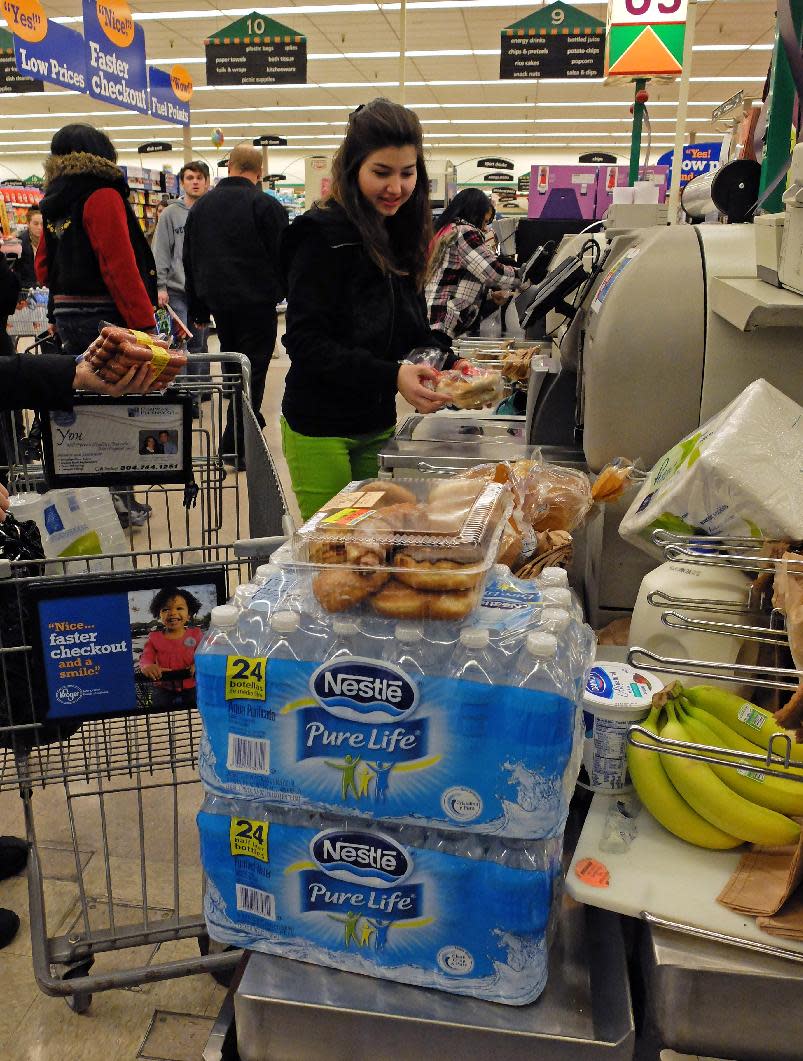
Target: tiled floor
[[162, 1020]]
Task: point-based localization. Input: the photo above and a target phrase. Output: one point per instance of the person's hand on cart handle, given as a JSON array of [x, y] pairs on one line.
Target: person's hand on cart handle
[[135, 381], [164, 298], [4, 502], [499, 298], [152, 671], [411, 385]]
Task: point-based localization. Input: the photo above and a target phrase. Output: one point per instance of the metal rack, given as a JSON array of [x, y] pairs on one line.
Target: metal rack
[[746, 554], [116, 788]]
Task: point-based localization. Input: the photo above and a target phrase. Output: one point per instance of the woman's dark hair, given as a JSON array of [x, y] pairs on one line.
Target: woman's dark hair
[[166, 594], [81, 137], [398, 245], [471, 205]]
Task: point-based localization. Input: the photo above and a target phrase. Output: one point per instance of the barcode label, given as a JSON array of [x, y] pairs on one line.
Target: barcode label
[[254, 901], [248, 753]]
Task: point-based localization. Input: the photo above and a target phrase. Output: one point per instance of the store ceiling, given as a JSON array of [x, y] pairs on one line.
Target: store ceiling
[[452, 72]]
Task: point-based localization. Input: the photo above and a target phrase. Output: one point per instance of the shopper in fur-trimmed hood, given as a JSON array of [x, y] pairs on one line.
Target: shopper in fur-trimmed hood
[[93, 254]]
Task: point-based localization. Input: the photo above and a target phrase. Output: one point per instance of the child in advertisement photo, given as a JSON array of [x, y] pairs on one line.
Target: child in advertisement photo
[[168, 658]]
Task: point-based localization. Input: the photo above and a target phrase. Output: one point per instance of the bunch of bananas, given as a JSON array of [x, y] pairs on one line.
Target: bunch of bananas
[[707, 804]]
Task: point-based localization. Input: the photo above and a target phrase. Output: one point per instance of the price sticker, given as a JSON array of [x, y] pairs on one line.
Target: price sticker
[[250, 838], [245, 677]]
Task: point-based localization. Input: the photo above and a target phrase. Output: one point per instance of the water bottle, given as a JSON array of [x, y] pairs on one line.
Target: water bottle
[[572, 641], [254, 628], [270, 583], [538, 667], [473, 659], [347, 636], [408, 649], [243, 595], [286, 637], [562, 597], [221, 638]]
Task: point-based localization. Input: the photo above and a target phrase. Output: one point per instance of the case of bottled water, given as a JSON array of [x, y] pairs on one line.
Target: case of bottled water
[[440, 910], [470, 727]]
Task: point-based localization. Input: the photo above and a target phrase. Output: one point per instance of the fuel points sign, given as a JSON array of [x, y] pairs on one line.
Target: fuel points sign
[[645, 38]]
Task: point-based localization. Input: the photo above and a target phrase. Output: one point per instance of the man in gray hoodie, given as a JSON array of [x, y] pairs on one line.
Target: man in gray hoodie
[[168, 247]]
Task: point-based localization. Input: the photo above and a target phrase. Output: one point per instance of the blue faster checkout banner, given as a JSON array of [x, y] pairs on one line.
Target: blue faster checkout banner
[[107, 61], [115, 55]]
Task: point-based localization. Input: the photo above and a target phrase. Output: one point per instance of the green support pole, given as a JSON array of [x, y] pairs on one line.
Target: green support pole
[[779, 125], [635, 142]]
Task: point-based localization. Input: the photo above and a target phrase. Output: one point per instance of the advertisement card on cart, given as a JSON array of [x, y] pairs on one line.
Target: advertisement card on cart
[[123, 644], [142, 441]]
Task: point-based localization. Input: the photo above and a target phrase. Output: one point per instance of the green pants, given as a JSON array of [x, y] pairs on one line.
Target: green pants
[[320, 467]]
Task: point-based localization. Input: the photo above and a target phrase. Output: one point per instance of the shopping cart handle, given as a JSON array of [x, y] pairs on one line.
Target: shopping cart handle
[[256, 548]]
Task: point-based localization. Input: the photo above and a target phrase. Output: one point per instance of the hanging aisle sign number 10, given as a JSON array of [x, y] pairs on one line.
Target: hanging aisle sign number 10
[[256, 50], [645, 38]]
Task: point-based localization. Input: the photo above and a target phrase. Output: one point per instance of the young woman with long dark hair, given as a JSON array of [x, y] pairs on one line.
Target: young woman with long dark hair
[[464, 274], [355, 309]]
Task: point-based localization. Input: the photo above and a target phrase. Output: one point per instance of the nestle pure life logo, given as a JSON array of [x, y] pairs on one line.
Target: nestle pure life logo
[[361, 857], [364, 690]]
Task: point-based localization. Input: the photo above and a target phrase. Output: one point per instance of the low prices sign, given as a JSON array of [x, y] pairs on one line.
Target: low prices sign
[[256, 50], [45, 50], [645, 38], [558, 41]]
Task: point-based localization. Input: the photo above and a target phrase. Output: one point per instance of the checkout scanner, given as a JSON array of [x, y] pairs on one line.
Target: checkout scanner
[[647, 358]]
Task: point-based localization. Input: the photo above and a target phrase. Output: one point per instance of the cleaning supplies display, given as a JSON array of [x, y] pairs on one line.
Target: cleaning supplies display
[[470, 727], [75, 523], [738, 474], [410, 904]]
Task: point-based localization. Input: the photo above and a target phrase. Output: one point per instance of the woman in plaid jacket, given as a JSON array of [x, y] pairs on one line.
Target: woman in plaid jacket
[[463, 270]]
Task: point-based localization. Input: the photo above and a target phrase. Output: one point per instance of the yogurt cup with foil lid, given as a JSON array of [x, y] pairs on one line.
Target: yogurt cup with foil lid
[[615, 696]]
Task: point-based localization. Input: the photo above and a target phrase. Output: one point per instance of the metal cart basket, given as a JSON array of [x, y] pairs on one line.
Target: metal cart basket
[[119, 794]]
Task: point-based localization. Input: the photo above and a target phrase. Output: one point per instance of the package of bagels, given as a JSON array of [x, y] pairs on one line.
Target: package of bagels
[[411, 549]]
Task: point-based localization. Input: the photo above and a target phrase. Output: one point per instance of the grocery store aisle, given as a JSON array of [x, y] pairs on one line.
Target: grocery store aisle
[[168, 1021]]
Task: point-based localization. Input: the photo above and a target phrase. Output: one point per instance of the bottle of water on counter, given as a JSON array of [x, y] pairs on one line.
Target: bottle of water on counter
[[221, 638], [271, 584], [286, 638], [474, 659], [538, 666], [348, 640], [409, 650], [254, 628]]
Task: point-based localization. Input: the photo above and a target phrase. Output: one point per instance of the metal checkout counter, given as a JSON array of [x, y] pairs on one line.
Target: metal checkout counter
[[669, 325]]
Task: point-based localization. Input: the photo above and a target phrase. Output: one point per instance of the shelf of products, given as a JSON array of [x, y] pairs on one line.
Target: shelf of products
[[15, 201]]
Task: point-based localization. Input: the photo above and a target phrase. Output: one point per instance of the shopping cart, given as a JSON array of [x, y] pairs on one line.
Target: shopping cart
[[120, 794], [29, 320]]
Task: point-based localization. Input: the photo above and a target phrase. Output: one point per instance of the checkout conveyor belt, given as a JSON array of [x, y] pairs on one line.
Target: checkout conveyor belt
[[293, 1011]]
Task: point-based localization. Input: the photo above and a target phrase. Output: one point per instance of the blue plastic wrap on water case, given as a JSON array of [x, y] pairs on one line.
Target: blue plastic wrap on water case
[[348, 896], [362, 737]]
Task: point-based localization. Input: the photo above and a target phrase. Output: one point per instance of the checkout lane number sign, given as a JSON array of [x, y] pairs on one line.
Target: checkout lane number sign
[[611, 277]]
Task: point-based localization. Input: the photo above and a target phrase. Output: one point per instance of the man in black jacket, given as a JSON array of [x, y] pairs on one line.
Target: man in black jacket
[[231, 267]]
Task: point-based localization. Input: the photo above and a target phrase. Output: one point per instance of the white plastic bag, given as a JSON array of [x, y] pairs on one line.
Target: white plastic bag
[[741, 473]]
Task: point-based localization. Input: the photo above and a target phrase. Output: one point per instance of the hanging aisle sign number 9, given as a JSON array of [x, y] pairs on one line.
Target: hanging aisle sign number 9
[[645, 38]]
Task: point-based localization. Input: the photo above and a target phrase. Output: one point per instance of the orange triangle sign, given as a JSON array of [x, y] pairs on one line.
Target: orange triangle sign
[[647, 55]]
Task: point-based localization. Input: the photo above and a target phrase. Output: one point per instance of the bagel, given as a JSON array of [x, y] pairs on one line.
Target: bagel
[[392, 493], [398, 601], [434, 575], [340, 591]]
